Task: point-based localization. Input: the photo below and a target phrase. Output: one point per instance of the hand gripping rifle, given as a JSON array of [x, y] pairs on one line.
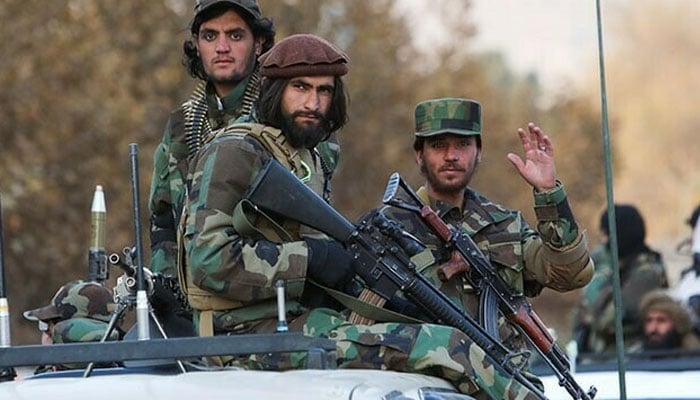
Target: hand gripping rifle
[[481, 273], [378, 246]]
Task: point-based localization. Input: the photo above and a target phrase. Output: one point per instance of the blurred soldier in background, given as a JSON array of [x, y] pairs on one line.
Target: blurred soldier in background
[[78, 312], [641, 271], [666, 324], [688, 288], [694, 240]]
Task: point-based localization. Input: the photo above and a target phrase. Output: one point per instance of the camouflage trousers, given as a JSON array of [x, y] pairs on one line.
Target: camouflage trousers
[[429, 349]]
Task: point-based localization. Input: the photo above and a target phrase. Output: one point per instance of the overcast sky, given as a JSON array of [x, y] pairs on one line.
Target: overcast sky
[[555, 38]]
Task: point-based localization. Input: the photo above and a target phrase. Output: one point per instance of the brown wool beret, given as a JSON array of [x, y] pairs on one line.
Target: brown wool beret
[[303, 55]]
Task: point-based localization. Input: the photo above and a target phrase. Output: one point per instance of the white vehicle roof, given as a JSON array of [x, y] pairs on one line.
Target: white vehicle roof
[[233, 384], [638, 385]]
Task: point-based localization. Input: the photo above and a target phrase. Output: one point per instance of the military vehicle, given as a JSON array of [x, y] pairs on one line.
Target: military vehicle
[[152, 363], [160, 379]]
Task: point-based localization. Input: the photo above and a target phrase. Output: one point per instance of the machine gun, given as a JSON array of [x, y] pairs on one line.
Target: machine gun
[[481, 273], [383, 262]]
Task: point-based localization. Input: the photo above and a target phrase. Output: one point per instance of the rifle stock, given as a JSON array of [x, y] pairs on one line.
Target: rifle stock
[[274, 191], [383, 261], [482, 274]]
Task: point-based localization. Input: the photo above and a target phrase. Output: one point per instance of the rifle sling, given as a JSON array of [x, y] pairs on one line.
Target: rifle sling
[[246, 212], [367, 310]]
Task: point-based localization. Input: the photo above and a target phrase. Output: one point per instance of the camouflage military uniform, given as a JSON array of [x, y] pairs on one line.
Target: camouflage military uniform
[[525, 259], [80, 312], [642, 270], [219, 259], [171, 160], [222, 261], [640, 274], [555, 256], [190, 125]]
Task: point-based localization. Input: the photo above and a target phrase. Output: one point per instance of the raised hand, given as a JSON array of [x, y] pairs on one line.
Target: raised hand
[[538, 167]]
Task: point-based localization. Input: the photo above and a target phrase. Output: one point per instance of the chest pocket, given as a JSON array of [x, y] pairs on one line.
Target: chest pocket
[[504, 249]]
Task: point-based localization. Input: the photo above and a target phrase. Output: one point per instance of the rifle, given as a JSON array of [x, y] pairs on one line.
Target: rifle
[[382, 252], [481, 273]]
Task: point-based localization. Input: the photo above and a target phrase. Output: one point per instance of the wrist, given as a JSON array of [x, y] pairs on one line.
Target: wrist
[[549, 196]]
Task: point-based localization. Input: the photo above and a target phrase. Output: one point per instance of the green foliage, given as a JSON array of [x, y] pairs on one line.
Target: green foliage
[[82, 79]]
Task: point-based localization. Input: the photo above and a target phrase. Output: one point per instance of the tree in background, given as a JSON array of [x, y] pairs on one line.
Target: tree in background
[[655, 91], [83, 79]]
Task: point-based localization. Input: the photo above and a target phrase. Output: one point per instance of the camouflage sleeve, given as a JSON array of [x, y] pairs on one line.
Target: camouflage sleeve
[[160, 204], [218, 258], [558, 257]]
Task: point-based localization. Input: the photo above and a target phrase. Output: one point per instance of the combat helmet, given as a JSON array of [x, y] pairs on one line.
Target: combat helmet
[[76, 299], [448, 115]]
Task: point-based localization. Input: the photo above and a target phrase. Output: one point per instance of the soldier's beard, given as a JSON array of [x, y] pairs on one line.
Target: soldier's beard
[[305, 135], [448, 188], [670, 340]]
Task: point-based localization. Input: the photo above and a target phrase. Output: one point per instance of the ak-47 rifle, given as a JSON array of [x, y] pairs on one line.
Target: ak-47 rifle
[[481, 273], [382, 253]]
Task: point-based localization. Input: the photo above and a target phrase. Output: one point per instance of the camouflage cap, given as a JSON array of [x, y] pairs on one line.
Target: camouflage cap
[[448, 115], [76, 330], [250, 6], [76, 299]]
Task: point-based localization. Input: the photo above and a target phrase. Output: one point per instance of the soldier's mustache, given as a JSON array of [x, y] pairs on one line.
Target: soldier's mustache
[[451, 166], [314, 114]]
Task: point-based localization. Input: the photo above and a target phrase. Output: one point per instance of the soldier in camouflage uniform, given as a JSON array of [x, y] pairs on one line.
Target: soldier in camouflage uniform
[[227, 37], [78, 312], [230, 268], [448, 150], [666, 324], [642, 270]]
